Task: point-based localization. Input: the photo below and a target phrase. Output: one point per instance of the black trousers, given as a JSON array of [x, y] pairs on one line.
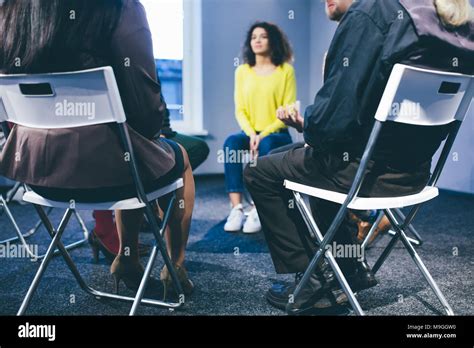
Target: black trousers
[[287, 148], [287, 236]]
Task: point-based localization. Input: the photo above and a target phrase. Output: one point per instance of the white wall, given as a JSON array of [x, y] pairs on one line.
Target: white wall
[[322, 32], [458, 173]]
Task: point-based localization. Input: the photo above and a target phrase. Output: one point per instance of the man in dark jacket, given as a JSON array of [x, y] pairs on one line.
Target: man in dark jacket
[[371, 37]]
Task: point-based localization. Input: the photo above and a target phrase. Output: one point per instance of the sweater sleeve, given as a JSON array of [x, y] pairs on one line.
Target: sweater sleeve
[[241, 112], [289, 97]]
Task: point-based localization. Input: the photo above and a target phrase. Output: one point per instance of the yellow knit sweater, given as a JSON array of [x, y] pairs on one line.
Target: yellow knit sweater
[[257, 98]]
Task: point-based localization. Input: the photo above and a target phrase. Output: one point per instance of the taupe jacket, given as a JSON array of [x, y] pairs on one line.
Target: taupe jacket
[[91, 157]]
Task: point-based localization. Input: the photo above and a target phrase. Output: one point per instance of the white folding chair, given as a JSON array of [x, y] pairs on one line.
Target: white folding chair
[[30, 101], [441, 98], [22, 237]]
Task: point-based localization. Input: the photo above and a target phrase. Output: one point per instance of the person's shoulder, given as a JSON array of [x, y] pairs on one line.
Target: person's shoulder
[[132, 4], [371, 7], [381, 13], [136, 10], [287, 68], [133, 18], [242, 69]]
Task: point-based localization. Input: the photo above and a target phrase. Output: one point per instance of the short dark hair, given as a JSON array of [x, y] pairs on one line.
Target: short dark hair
[[281, 51], [31, 28]]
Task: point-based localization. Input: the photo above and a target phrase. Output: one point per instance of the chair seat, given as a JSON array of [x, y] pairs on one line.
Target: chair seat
[[362, 203], [127, 204]]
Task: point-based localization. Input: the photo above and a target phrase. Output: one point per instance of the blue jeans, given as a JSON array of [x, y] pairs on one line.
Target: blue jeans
[[234, 147]]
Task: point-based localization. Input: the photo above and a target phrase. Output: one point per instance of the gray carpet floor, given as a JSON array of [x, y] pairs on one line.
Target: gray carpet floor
[[232, 271]]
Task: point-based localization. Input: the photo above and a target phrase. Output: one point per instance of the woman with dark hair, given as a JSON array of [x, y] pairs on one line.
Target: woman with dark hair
[[40, 36], [263, 84]]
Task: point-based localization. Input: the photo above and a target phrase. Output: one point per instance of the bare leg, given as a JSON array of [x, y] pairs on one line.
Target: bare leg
[[128, 226], [126, 265], [235, 198], [180, 221]]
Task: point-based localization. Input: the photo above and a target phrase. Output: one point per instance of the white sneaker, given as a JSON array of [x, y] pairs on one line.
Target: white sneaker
[[235, 220], [252, 225]]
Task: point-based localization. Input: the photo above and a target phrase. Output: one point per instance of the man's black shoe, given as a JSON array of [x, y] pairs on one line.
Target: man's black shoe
[[280, 294], [315, 297], [312, 298], [363, 279]]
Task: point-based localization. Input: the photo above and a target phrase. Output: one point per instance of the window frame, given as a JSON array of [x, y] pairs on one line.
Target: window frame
[[192, 123]]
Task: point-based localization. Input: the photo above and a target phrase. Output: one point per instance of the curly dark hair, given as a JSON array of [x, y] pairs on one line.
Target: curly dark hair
[[281, 51]]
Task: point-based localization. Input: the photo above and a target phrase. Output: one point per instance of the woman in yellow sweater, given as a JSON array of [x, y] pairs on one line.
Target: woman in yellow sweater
[[263, 84]]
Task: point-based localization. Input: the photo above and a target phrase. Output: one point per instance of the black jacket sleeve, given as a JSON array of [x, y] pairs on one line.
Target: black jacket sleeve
[[335, 117]]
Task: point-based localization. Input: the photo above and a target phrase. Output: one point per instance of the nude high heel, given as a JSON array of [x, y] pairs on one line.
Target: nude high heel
[[186, 283], [131, 273]]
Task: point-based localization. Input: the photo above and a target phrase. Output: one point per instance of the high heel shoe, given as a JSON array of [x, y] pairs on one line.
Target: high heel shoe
[[131, 273], [98, 247], [186, 284]]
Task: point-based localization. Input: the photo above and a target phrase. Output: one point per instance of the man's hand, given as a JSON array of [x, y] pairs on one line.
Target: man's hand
[[290, 115]]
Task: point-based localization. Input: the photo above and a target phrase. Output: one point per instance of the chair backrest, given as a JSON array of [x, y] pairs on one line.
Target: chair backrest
[[67, 100], [419, 97], [425, 97], [61, 100]]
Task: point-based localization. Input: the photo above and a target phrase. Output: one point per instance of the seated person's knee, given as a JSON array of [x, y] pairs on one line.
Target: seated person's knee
[[185, 157]]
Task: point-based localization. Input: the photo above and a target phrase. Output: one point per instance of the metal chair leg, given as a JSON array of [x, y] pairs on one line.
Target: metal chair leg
[[400, 234], [411, 240], [45, 262], [418, 240], [146, 276], [56, 242], [38, 224], [34, 229], [372, 230], [421, 266], [158, 232], [388, 249], [81, 222], [20, 236], [395, 237], [314, 230], [28, 234], [13, 191], [138, 299], [91, 291], [78, 243]]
